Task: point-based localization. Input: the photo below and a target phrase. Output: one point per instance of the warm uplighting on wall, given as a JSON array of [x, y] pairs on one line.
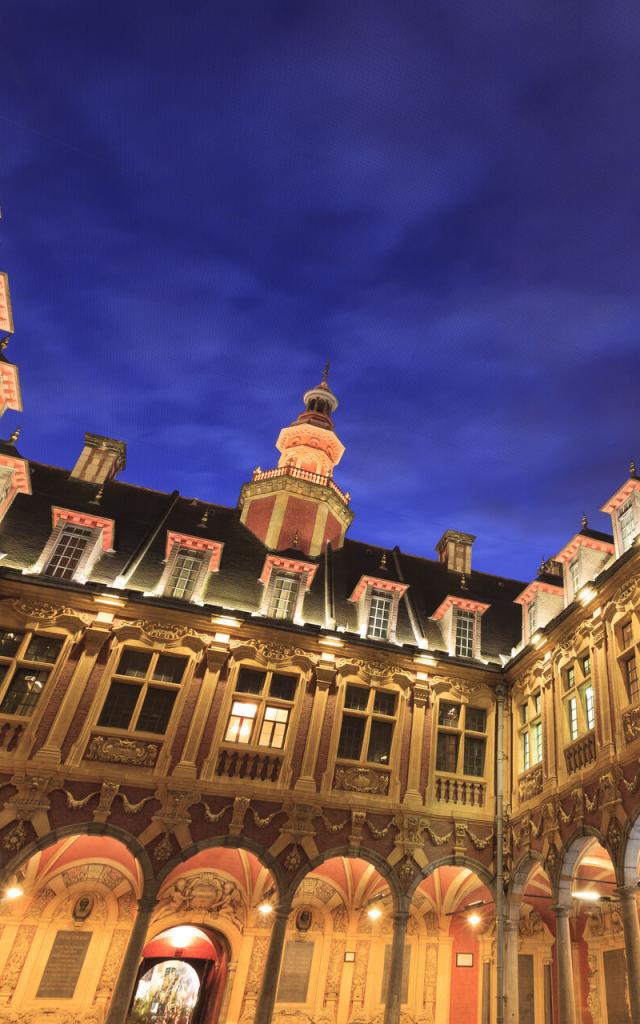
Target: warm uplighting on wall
[[113, 602], [13, 892], [222, 638], [587, 594], [226, 620], [587, 895], [181, 937], [537, 639], [423, 659], [331, 641]]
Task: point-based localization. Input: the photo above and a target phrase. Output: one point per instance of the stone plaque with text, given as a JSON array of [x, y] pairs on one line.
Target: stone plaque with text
[[64, 965], [296, 968]]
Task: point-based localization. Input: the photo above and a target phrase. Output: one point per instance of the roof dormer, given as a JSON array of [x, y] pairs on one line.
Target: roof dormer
[[583, 558], [541, 601], [460, 623], [377, 601], [624, 509]]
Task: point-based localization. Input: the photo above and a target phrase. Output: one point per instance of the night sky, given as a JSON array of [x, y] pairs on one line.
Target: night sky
[[204, 201]]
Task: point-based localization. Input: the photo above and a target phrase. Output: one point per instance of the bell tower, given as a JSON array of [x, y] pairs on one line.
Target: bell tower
[[298, 504]]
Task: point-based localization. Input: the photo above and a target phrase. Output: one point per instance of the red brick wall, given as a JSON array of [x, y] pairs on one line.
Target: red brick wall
[[332, 531], [299, 517], [259, 515], [465, 981]]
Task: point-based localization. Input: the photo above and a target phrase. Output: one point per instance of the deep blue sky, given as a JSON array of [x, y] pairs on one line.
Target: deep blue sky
[[203, 201]]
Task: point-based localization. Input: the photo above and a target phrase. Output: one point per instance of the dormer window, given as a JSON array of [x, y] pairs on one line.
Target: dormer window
[[284, 595], [188, 562], [379, 615], [532, 617], [76, 543], [460, 620], [286, 581], [465, 629], [627, 525], [377, 602], [574, 574]]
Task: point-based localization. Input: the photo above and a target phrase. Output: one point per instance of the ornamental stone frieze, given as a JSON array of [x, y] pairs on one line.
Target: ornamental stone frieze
[[269, 651], [361, 780], [118, 750], [203, 893], [46, 611], [32, 795], [168, 633], [530, 784], [631, 724]]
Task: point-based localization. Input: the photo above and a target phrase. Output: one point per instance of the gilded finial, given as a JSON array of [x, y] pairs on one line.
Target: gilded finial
[[632, 469], [543, 565], [383, 560], [14, 437], [204, 520], [325, 372], [584, 521], [463, 582], [98, 496], [4, 343], [296, 539]]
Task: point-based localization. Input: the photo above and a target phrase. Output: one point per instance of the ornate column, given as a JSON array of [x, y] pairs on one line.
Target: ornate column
[[602, 691], [186, 767], [512, 941], [629, 914], [269, 986], [549, 744], [228, 988], [325, 674], [123, 990], [566, 996], [420, 704], [50, 753], [393, 1000]]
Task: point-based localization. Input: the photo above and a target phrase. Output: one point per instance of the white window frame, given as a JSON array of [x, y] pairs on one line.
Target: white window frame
[[209, 552], [629, 506], [379, 614], [94, 548], [284, 595]]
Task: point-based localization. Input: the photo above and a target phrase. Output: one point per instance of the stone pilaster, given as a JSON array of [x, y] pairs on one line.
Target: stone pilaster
[[629, 915], [394, 987], [420, 704], [566, 995], [268, 989], [325, 674]]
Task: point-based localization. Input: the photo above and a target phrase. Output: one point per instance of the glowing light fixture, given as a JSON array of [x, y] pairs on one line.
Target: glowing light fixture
[[537, 639], [114, 602], [474, 920], [587, 895], [226, 620], [222, 638], [587, 594], [13, 892], [182, 936], [423, 659], [374, 913], [265, 908], [331, 641]]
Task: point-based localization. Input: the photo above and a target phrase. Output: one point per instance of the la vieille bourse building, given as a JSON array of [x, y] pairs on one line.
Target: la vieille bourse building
[[254, 771]]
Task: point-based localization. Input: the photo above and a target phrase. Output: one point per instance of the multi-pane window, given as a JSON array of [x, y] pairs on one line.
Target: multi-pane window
[[26, 661], [461, 739], [261, 708], [631, 678], [465, 627], [530, 731], [379, 615], [69, 549], [627, 660], [574, 574], [627, 524], [532, 612], [578, 698], [284, 595], [143, 691], [368, 721], [184, 575]]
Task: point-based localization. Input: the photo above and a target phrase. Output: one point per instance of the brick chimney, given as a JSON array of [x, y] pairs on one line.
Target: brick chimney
[[100, 460], [454, 550]]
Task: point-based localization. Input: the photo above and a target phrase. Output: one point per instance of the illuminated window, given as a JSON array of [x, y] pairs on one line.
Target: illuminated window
[[261, 708], [284, 595], [379, 615], [461, 739], [627, 524], [26, 661], [465, 626], [143, 691], [530, 731], [368, 722], [185, 573], [578, 698]]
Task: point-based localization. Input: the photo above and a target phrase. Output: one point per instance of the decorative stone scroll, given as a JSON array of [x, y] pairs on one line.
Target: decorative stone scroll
[[361, 780], [116, 750]]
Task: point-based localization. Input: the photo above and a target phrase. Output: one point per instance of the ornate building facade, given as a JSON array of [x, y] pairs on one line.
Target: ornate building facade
[[252, 770]]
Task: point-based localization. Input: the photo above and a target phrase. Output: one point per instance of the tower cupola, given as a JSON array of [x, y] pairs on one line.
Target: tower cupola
[[298, 504]]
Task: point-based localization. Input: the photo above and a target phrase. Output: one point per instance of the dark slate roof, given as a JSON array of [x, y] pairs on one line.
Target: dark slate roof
[[586, 531], [136, 511]]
